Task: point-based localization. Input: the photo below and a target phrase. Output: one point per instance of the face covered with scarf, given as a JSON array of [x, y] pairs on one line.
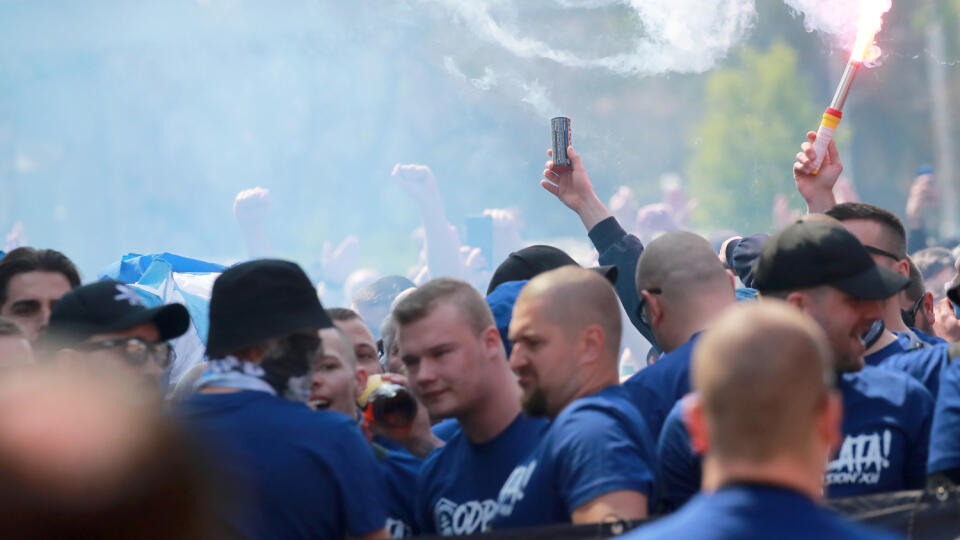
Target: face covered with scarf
[[286, 368], [289, 363]]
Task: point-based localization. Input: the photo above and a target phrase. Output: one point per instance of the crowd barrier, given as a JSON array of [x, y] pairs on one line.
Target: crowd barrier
[[926, 515]]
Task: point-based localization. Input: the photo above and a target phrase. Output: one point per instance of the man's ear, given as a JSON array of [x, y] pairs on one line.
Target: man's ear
[[926, 308], [798, 300], [830, 420], [492, 344], [361, 377], [655, 307], [733, 280], [903, 268], [694, 419], [593, 342]]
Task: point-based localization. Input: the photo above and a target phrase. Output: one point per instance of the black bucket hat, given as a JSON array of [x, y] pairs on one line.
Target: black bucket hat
[[260, 300]]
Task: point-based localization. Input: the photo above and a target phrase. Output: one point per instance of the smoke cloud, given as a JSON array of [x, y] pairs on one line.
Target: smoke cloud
[[679, 36]]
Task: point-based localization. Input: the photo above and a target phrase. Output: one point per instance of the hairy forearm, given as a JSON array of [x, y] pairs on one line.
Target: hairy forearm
[[592, 211]]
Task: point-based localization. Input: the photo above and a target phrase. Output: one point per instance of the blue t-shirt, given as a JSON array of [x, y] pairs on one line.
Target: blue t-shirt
[[886, 428], [680, 469], [755, 511], [655, 388], [458, 484], [598, 444], [292, 472], [924, 364], [945, 435], [897, 346], [927, 338], [400, 470]]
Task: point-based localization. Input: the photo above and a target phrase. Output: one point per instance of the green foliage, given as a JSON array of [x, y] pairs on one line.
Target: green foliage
[[757, 114]]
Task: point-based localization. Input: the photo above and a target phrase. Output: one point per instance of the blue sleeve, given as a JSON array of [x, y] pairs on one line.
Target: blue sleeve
[[680, 468], [945, 432], [915, 467], [622, 250], [360, 481], [595, 455]]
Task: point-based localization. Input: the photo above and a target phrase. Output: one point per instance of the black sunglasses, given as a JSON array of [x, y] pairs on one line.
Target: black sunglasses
[[135, 351], [643, 301], [878, 251]]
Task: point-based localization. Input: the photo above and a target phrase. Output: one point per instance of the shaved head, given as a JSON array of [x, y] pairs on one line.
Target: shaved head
[[763, 372], [575, 298], [682, 265]]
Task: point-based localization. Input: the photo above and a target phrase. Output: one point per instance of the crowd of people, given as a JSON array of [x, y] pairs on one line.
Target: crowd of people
[[784, 370]]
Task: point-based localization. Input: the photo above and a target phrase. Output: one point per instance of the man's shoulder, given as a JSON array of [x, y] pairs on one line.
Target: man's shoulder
[[596, 414], [674, 364], [887, 385]]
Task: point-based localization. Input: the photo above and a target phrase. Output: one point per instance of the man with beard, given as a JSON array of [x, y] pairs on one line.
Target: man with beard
[[596, 460], [293, 472], [821, 269]]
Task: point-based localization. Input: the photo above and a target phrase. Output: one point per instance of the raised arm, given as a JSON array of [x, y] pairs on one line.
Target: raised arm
[[442, 244], [817, 189]]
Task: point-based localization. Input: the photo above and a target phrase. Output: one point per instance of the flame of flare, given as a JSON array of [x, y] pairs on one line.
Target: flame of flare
[[871, 19]]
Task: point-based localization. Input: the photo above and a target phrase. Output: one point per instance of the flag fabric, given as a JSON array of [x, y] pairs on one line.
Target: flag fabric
[[166, 278]]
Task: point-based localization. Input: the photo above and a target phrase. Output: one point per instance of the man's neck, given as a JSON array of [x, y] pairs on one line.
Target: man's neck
[[892, 316], [698, 322], [499, 408], [593, 385], [886, 339], [783, 472]]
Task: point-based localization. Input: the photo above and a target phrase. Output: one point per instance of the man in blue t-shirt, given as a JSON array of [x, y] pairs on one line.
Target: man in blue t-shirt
[[767, 417], [682, 287], [337, 385], [291, 472], [596, 459], [823, 270], [457, 367]]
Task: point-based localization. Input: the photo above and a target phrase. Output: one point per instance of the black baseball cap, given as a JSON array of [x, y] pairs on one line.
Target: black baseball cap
[[815, 253], [109, 306], [260, 300], [531, 261]]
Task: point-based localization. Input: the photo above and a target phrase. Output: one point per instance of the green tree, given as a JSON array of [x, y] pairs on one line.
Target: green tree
[[756, 115]]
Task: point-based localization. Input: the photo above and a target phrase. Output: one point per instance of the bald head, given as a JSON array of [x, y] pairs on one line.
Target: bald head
[[683, 265], [575, 298], [763, 371]]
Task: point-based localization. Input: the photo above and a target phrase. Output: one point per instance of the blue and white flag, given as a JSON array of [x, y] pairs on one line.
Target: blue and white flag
[[166, 278]]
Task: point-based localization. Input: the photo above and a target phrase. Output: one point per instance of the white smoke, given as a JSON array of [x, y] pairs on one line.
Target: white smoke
[[672, 36], [837, 19], [680, 36]]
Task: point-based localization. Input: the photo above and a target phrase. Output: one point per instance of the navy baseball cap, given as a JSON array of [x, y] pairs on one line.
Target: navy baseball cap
[[109, 306], [527, 263], [816, 253]]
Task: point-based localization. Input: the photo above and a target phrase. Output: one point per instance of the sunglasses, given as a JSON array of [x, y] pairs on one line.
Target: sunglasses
[[135, 351], [910, 316], [643, 301], [883, 253]]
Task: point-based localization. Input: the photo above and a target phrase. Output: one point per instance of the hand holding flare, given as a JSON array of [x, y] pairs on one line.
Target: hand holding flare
[[871, 19]]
